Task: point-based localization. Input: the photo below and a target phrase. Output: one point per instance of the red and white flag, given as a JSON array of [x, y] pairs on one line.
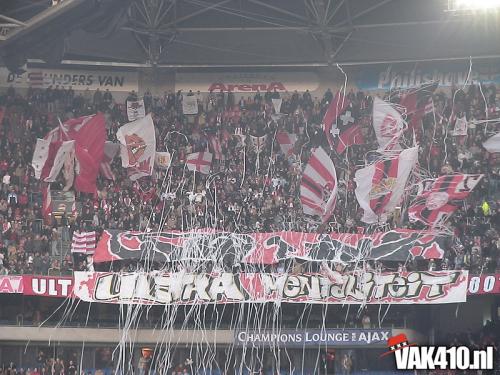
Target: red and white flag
[[89, 133], [437, 198], [418, 102], [137, 143], [135, 109], [216, 147], [492, 144], [40, 156], [199, 162], [85, 135], [84, 242], [287, 142], [388, 125], [381, 185], [69, 169], [318, 188], [337, 106], [110, 151], [54, 163], [143, 169], [350, 136], [163, 160], [258, 143]]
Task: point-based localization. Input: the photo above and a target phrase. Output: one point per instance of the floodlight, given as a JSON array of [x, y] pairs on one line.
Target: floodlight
[[473, 5]]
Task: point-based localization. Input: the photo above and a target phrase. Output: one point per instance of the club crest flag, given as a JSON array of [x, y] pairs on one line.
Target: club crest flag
[[137, 143], [135, 110], [388, 125], [438, 198], [318, 188], [189, 105], [380, 186], [162, 159]]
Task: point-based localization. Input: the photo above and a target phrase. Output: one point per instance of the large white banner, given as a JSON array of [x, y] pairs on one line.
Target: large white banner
[[77, 79], [186, 288], [137, 142], [247, 82], [189, 105]]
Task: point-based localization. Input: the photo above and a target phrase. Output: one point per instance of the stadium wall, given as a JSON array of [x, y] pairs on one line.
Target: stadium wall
[[245, 82]]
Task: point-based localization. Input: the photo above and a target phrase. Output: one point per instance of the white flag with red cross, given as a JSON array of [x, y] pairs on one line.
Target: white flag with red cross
[[199, 162]]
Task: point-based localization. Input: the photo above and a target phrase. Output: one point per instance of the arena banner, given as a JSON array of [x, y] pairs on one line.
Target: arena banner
[[405, 76], [47, 286], [313, 337], [11, 284], [268, 248], [484, 284], [186, 288], [242, 82], [77, 79]]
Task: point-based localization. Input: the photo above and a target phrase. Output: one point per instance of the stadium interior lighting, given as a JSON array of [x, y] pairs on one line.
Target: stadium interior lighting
[[473, 5]]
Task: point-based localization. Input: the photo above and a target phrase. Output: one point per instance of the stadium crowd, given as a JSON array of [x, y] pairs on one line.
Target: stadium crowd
[[246, 192]]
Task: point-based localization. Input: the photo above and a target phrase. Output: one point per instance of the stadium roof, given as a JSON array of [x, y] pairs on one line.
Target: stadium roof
[[234, 33]]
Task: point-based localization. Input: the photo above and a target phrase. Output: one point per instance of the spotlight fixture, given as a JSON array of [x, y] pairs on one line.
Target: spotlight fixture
[[472, 5]]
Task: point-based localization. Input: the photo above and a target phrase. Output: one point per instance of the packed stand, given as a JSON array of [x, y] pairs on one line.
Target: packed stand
[[242, 194]]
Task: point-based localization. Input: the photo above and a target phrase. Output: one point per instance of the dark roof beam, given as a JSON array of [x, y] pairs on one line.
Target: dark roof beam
[[12, 20]]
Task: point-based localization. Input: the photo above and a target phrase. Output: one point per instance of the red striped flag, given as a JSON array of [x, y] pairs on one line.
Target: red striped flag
[[83, 242], [286, 142], [318, 188], [216, 147], [436, 198]]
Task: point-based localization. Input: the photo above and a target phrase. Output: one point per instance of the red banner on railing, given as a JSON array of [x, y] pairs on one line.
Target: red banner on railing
[[62, 286], [484, 284], [183, 288], [11, 284], [48, 286]]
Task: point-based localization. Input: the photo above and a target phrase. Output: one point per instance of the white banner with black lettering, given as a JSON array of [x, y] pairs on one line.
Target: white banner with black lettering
[[186, 288], [77, 79]]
